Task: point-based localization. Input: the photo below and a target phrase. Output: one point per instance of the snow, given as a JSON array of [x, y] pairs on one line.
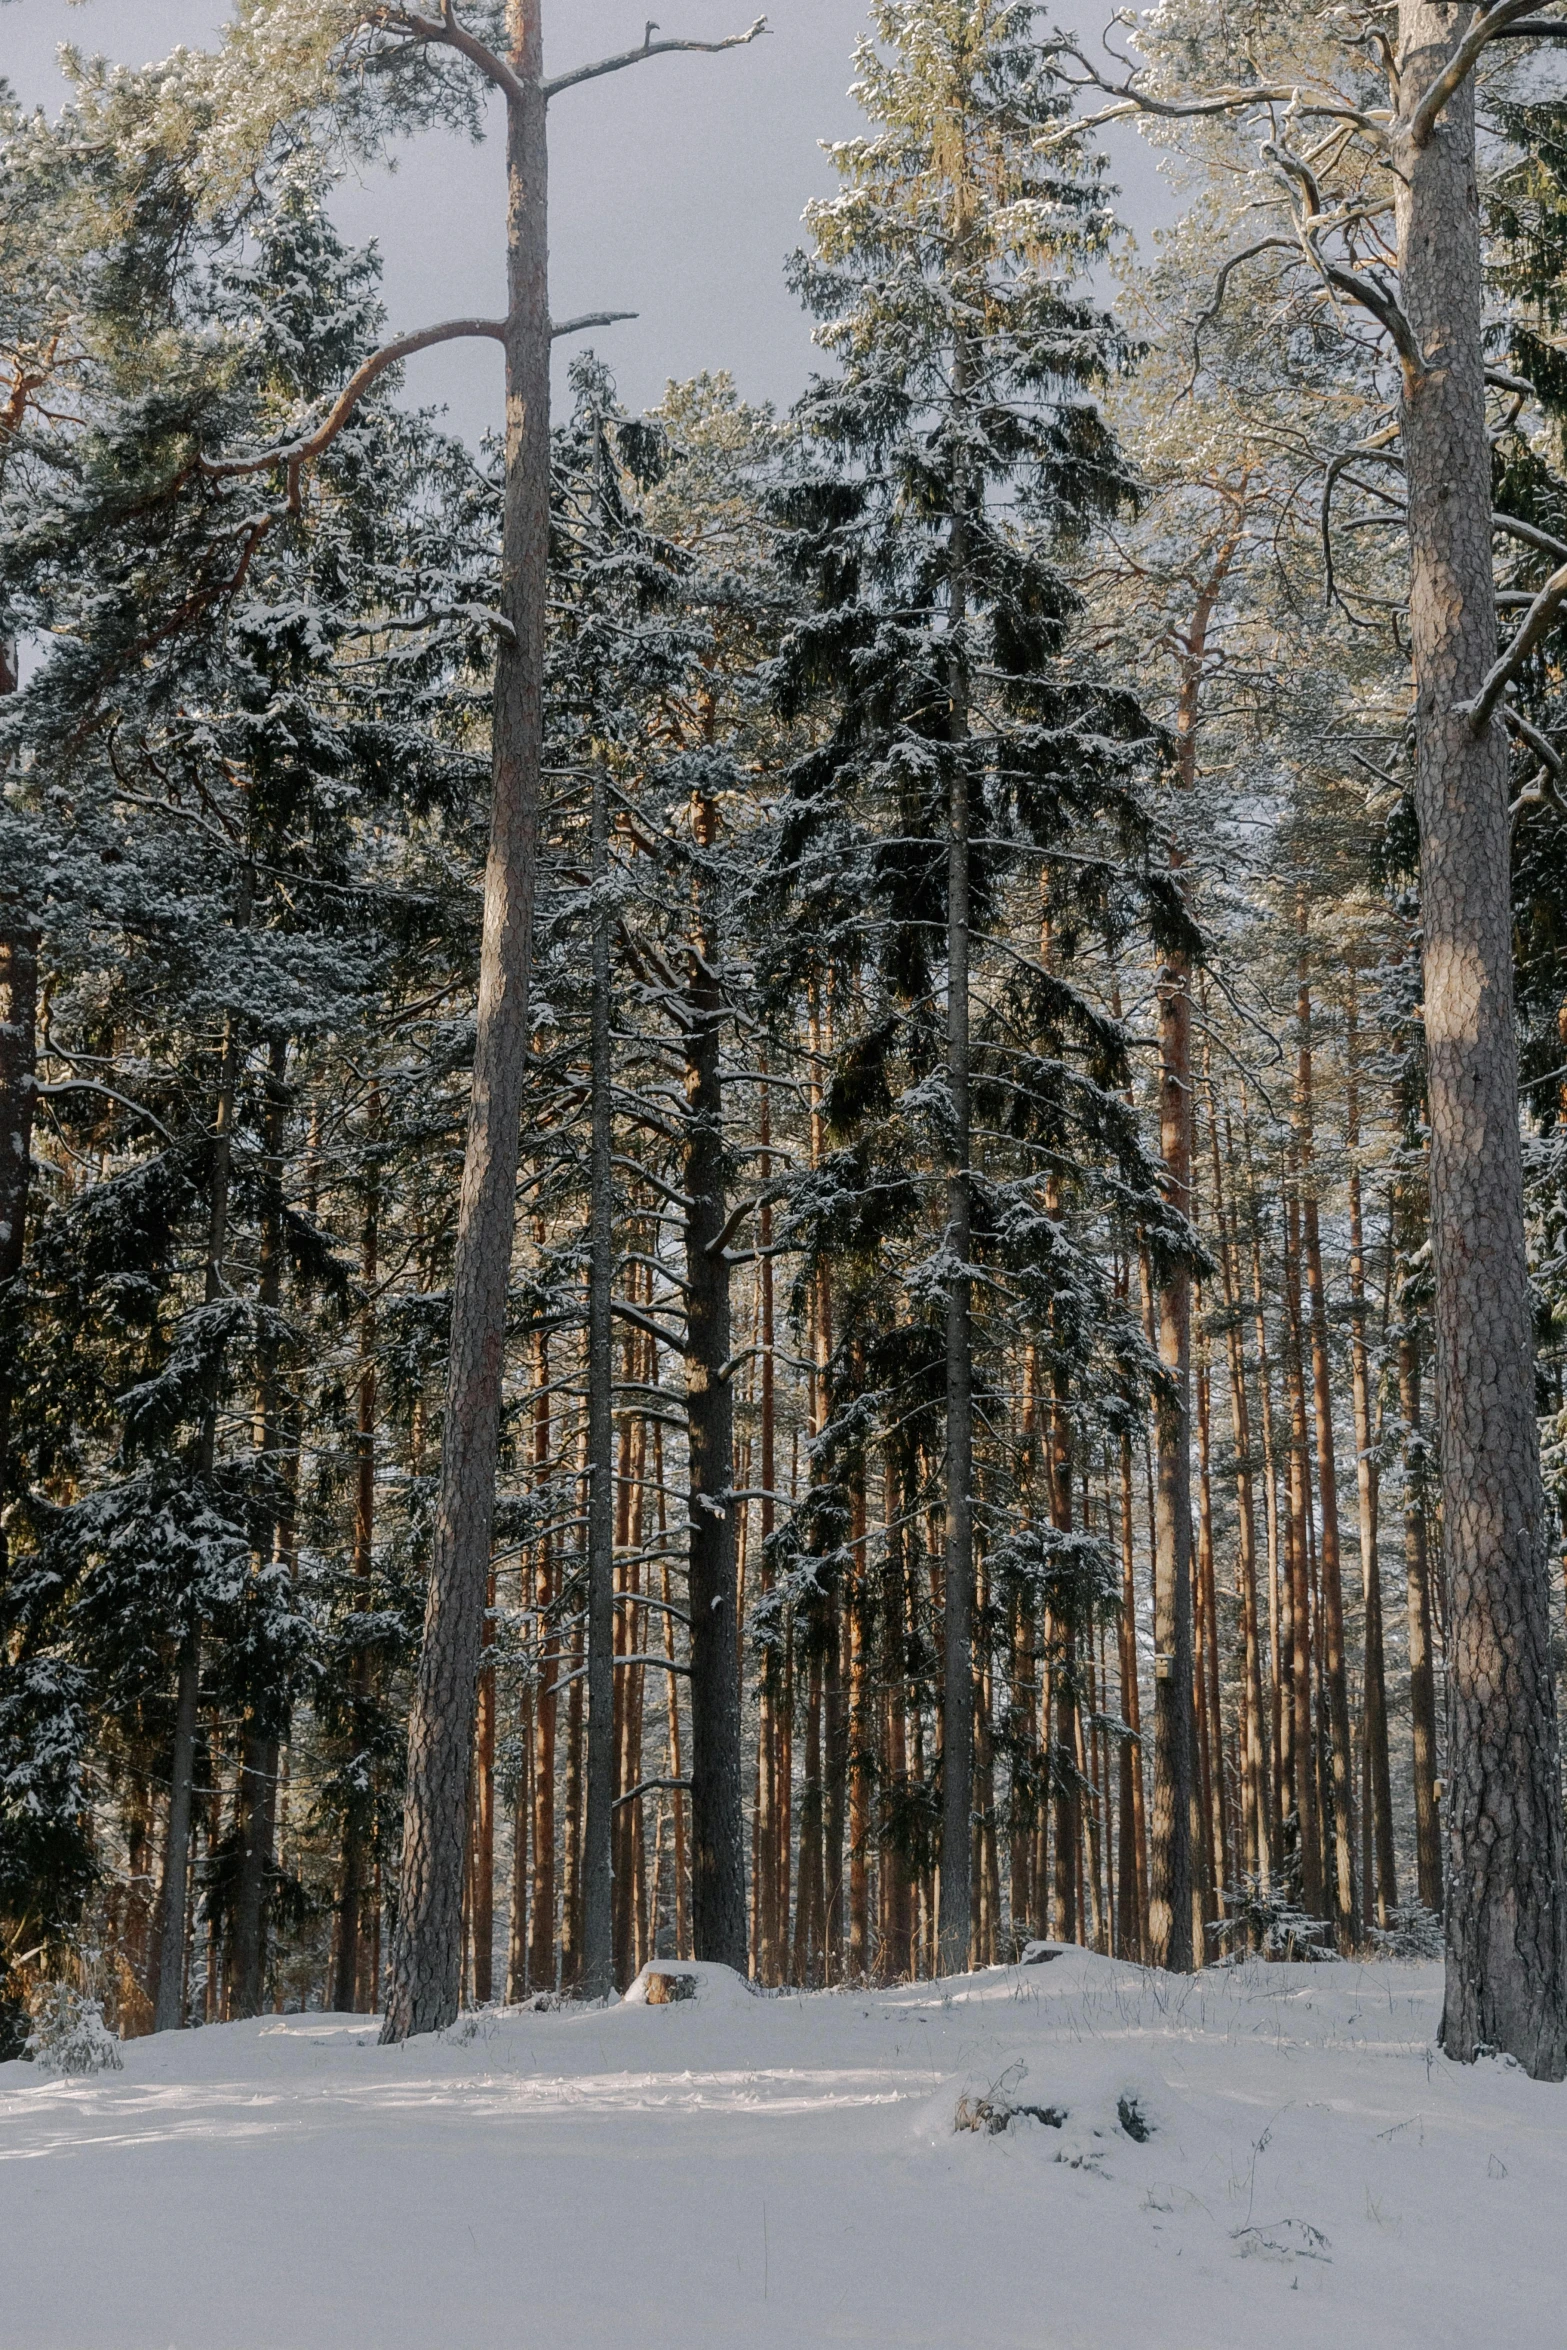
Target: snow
[[784, 2172]]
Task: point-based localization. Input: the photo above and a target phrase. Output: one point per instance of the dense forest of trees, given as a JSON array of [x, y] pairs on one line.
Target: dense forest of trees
[[790, 1187]]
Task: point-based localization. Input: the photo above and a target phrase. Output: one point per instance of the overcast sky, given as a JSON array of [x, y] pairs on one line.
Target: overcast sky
[[676, 187]]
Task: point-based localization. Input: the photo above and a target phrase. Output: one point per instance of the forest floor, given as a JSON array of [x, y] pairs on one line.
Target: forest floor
[[784, 2172]]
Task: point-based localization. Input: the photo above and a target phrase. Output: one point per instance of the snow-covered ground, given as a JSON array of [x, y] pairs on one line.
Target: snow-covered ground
[[784, 2171]]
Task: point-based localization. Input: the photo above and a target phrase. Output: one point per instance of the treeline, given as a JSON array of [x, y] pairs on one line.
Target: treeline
[[718, 1227]]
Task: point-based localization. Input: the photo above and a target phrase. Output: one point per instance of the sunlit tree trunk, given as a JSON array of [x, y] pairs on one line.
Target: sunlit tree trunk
[[1340, 1869], [1506, 1907], [425, 1984], [1378, 1783]]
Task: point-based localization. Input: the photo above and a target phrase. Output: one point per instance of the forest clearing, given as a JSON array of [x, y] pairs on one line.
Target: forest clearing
[[783, 1180], [783, 2170]]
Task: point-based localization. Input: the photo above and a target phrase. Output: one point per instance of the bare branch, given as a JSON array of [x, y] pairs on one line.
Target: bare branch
[[649, 48], [676, 1199], [1536, 741], [1542, 612], [297, 453], [646, 1324], [1221, 287], [1367, 288], [1540, 791], [1233, 98], [647, 1786], [1531, 535], [738, 1215], [91, 1085], [1375, 448], [575, 326], [1373, 295]]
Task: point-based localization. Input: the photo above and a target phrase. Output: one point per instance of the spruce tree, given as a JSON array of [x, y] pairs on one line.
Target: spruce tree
[[978, 775]]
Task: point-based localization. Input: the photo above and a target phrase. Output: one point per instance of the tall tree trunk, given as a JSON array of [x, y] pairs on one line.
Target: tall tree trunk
[[1270, 1489], [1170, 1835], [537, 1826], [1341, 1872], [1133, 1872], [956, 1895], [1506, 1902], [955, 1921], [425, 1980], [1422, 1671], [860, 1754], [483, 1891], [1378, 1782], [809, 1902], [517, 1917], [1021, 1708], [1256, 1839], [1302, 1742], [770, 1864], [1208, 1684], [835, 1755], [896, 1876], [1175, 1736], [718, 1913], [598, 1843], [168, 1992], [354, 1874], [18, 1091], [571, 1820], [259, 1752], [1066, 1824], [677, 1808]]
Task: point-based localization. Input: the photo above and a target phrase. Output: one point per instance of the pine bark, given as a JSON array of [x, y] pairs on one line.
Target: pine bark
[[1255, 1836], [18, 1092], [168, 1988], [1216, 1807], [260, 1749], [1170, 1829], [1506, 1903], [834, 1782], [1133, 1871], [897, 1888], [861, 1757], [770, 1869], [1301, 1744], [482, 1897], [955, 1922], [1422, 1665], [1377, 1776], [1341, 1853], [426, 1966], [955, 1913], [718, 1907], [598, 1955], [352, 1878]]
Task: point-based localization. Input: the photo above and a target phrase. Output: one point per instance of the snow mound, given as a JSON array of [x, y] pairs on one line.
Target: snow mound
[[671, 1982]]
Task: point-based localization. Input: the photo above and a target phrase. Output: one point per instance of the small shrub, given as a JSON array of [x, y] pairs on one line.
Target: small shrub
[[1267, 1919], [1410, 1932], [69, 2034]]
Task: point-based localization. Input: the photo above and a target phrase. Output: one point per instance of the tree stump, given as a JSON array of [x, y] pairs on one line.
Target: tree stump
[[663, 1990]]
